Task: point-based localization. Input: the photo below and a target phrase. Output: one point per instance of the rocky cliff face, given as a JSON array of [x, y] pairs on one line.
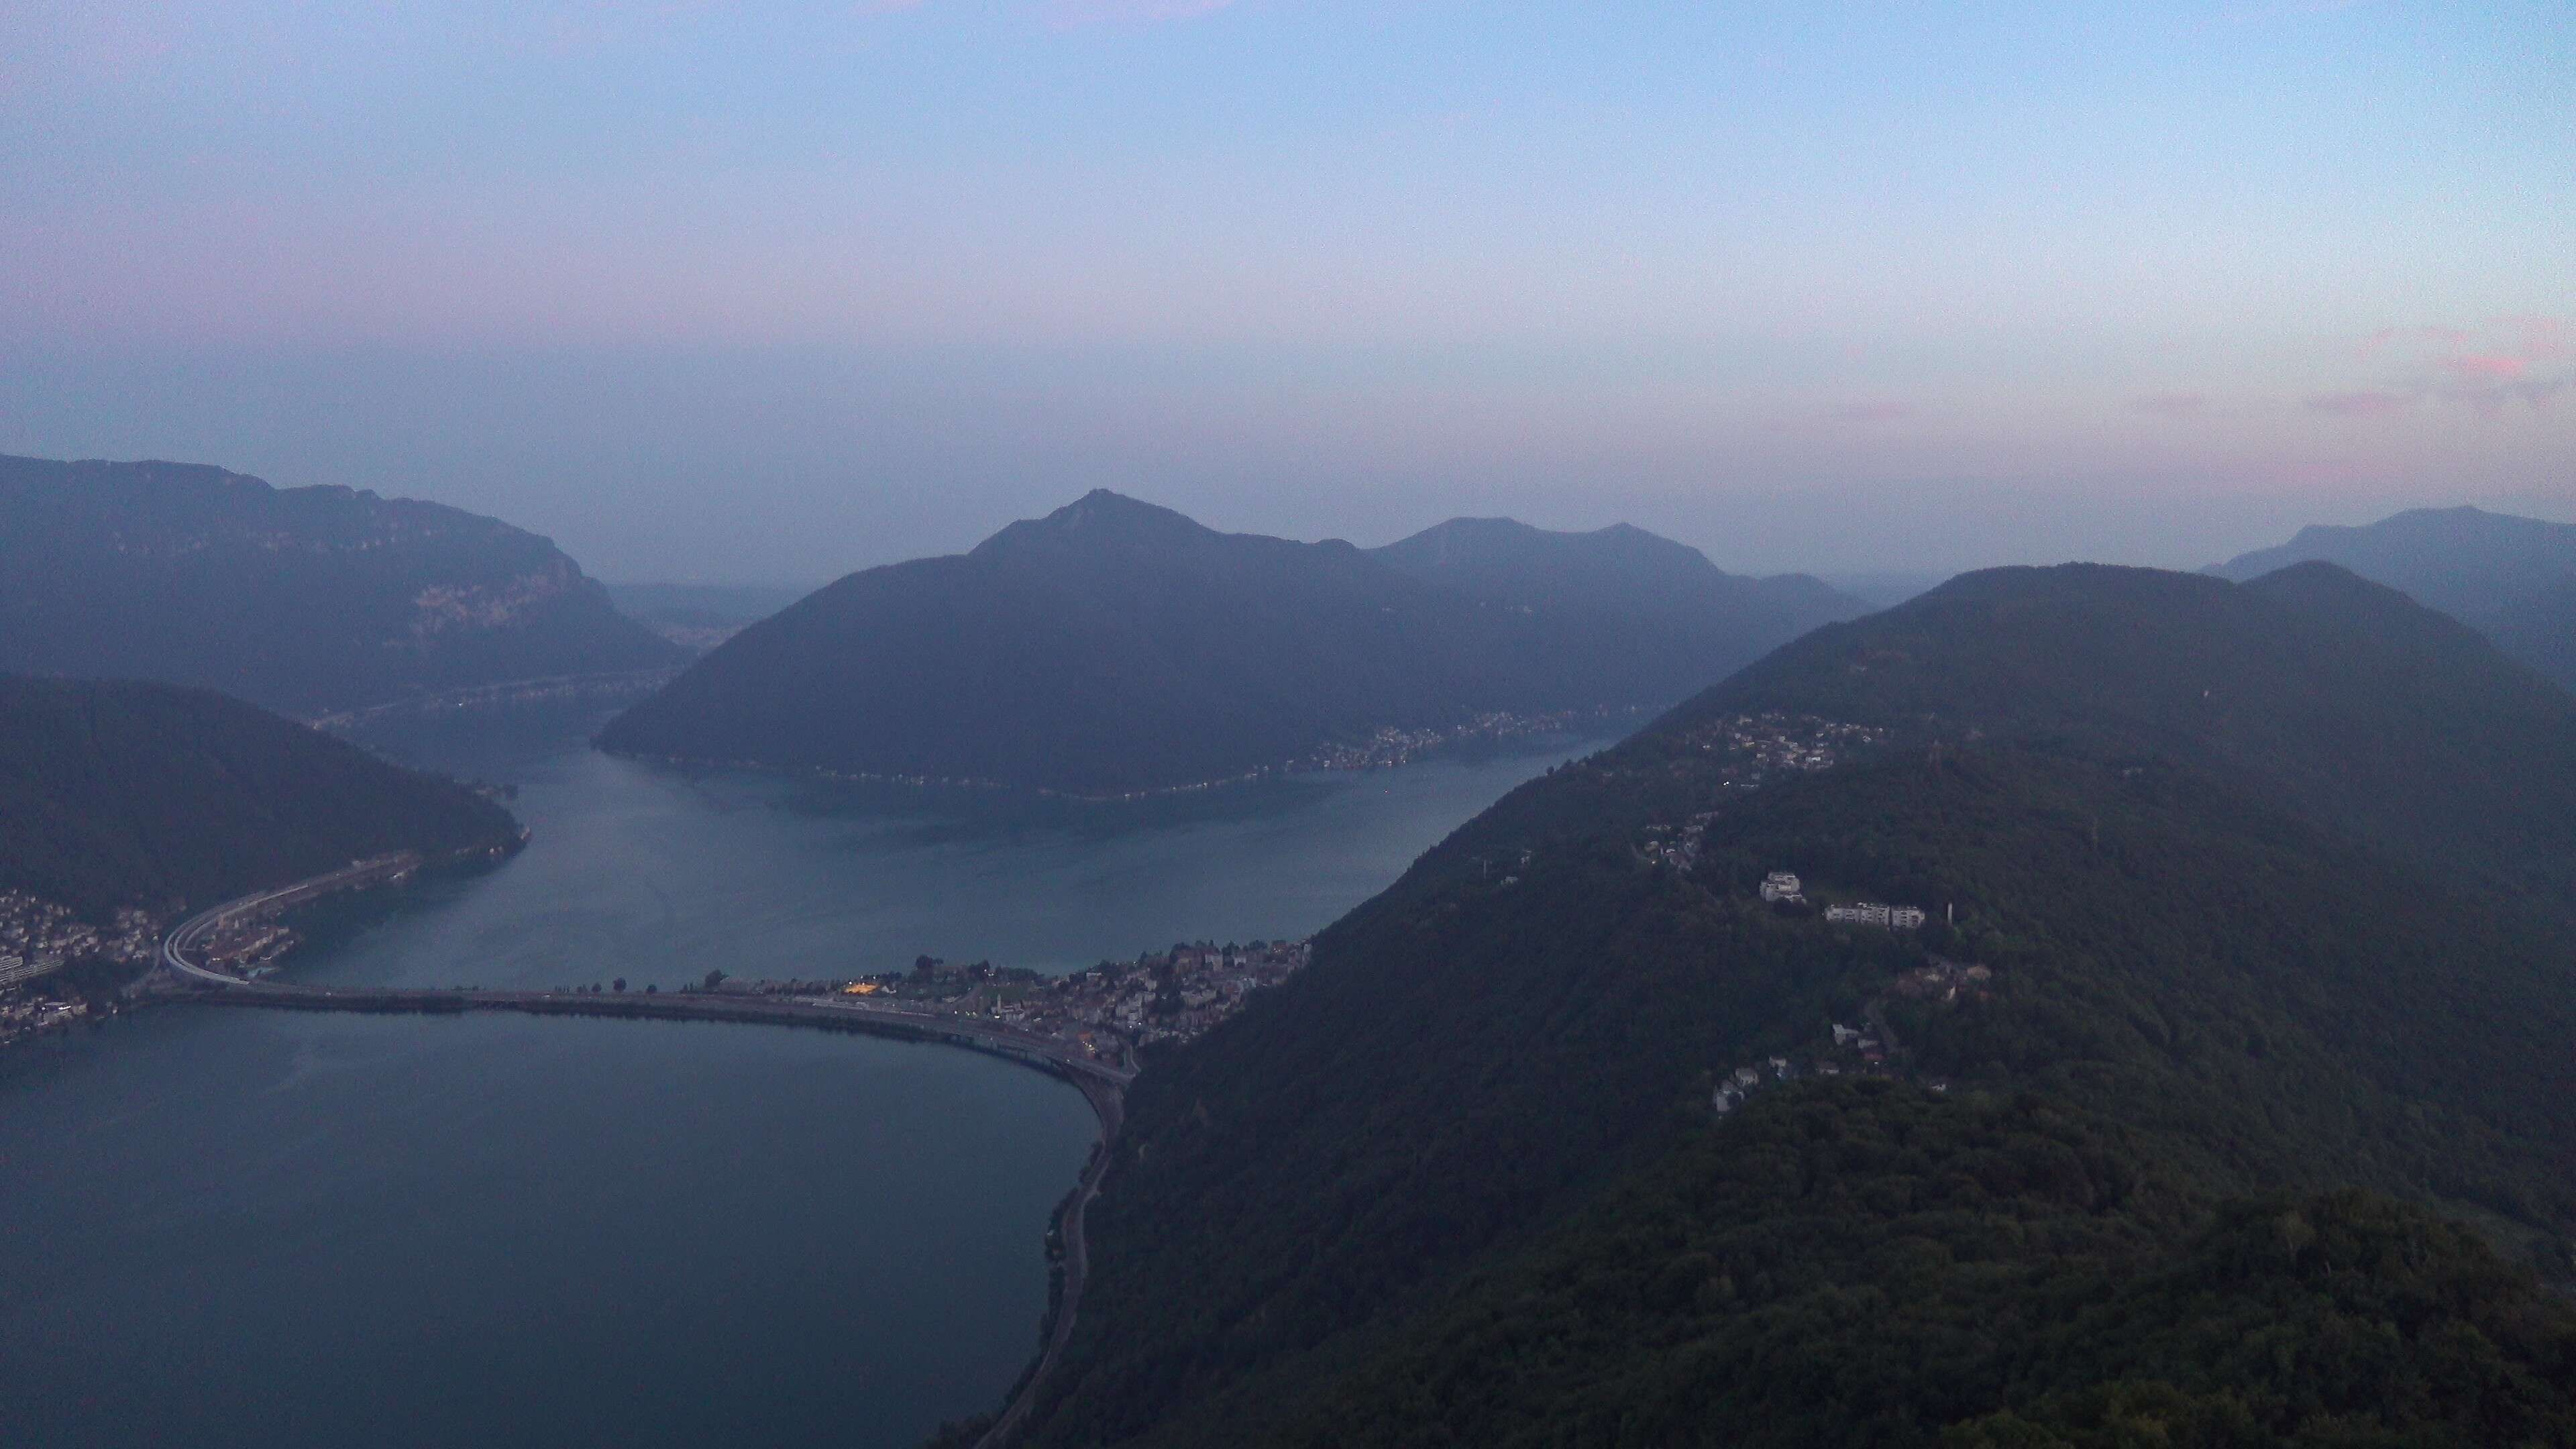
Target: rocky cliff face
[[306, 600]]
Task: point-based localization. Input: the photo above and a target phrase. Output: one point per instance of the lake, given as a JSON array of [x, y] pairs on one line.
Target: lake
[[290, 1230]]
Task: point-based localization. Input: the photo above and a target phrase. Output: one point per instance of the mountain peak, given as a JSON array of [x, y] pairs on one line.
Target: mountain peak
[[1462, 548], [1098, 520], [1104, 504]]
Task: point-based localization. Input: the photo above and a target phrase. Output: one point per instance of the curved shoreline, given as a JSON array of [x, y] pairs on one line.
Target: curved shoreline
[[1077, 1267], [1448, 741], [1102, 1086]]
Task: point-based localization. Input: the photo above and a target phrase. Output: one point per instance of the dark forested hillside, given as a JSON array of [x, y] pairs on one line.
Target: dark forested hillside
[[2245, 1052], [2513, 579], [1114, 646], [303, 600], [1870, 1264], [2362, 707], [115, 794]]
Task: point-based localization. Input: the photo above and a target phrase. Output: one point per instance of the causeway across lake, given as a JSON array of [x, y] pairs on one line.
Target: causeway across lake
[[288, 1229]]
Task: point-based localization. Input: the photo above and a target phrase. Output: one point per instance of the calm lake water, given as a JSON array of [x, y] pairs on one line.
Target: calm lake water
[[283, 1230]]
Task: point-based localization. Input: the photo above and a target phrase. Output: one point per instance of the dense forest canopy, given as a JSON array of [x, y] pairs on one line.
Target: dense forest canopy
[[2356, 705], [303, 600], [1115, 646], [2252, 1128], [124, 794]]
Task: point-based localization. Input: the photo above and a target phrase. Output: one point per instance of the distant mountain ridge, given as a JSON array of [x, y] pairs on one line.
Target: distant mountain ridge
[[302, 600], [2511, 578], [1505, 561], [1115, 645]]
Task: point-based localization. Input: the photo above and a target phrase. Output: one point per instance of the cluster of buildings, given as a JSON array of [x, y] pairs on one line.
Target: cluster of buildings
[[1390, 747], [1108, 1010], [1743, 752], [1735, 1086], [247, 945], [1753, 747], [1874, 913], [25, 1013], [1160, 996], [1783, 888], [1383, 749], [1867, 1050], [1856, 1052], [38, 938], [1677, 845], [1944, 980]]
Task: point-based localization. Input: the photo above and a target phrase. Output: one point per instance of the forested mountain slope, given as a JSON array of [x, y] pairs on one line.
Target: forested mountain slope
[[1114, 646], [303, 600], [1461, 1181], [2513, 579], [122, 794], [1872, 1265]]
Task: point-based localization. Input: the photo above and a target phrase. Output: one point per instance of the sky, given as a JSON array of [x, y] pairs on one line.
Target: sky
[[745, 292]]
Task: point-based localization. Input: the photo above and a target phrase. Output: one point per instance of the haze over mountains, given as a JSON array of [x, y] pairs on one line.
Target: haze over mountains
[[1114, 645], [306, 600], [2272, 980], [698, 617], [2514, 579], [2223, 1089]]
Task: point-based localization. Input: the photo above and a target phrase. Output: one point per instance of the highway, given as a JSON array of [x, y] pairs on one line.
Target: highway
[[176, 948], [1077, 1267]]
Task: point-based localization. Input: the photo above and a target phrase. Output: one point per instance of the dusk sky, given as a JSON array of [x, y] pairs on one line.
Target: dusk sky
[[771, 292]]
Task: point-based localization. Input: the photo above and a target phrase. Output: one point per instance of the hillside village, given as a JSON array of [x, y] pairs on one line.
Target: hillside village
[[1783, 889], [1388, 748], [1869, 1049], [39, 940], [1742, 752]]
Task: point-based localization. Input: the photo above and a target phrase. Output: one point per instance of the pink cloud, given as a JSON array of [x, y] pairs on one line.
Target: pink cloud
[[2371, 404], [2484, 368], [2500, 361], [2523, 363], [2173, 404]]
